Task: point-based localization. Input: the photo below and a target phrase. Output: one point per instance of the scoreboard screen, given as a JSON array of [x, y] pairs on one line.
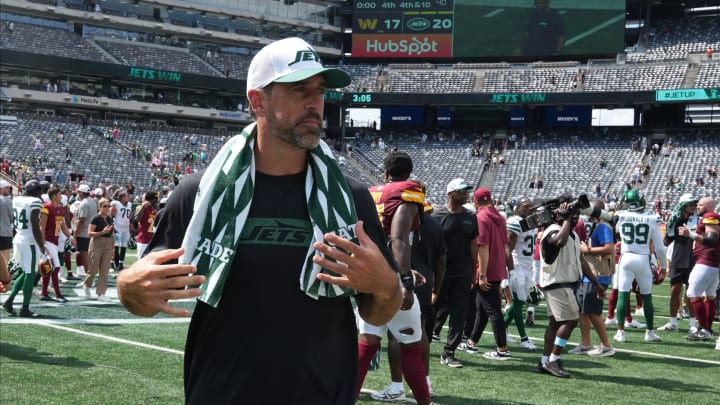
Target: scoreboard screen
[[486, 28]]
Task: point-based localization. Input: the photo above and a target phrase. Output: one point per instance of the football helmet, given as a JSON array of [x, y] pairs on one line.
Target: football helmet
[[657, 277], [635, 200], [45, 266], [69, 246], [15, 269], [535, 295]]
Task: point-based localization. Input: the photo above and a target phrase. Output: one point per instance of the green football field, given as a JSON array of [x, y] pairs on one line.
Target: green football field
[[498, 30], [88, 352]]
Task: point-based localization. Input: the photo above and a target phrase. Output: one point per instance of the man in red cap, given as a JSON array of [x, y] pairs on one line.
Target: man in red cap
[[491, 241]]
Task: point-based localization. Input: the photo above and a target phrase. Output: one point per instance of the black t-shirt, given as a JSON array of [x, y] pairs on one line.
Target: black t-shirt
[[459, 231], [267, 341], [101, 223], [427, 246], [682, 251], [544, 29]]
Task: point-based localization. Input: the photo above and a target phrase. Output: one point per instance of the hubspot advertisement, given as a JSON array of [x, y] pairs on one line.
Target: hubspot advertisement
[[404, 46]]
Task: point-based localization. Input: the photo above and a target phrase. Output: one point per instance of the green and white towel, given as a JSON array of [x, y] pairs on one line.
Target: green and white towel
[[223, 203]]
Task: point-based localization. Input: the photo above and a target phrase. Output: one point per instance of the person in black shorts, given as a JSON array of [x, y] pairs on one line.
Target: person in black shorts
[[680, 256]]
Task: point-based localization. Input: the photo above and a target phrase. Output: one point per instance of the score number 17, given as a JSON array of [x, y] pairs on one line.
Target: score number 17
[[392, 24]]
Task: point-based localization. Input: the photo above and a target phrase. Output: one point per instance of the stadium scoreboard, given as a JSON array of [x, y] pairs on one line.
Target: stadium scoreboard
[[485, 28], [403, 28]]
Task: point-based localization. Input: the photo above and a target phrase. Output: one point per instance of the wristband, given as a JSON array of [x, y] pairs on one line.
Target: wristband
[[407, 281], [693, 235]]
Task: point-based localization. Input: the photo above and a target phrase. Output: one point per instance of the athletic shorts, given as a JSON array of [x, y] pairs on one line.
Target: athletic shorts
[[122, 236], [61, 242], [141, 248], [6, 242], [703, 281], [521, 283], [587, 299], [679, 276], [403, 320], [562, 304], [83, 244], [53, 253], [634, 266], [27, 256]]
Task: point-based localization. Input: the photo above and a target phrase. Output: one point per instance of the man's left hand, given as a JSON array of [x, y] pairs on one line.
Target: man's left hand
[[360, 267]]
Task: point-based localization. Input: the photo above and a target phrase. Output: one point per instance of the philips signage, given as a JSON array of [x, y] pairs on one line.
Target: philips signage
[[568, 116]]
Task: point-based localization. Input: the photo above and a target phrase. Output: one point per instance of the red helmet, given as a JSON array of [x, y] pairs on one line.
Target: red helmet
[[45, 266], [657, 277]]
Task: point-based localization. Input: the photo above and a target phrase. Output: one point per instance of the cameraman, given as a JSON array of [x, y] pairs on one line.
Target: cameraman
[[562, 266]]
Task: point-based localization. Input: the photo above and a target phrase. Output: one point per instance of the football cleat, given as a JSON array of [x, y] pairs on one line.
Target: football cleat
[[387, 395]]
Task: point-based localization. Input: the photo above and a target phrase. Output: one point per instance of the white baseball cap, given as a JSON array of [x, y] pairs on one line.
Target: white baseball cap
[[457, 185], [290, 60], [99, 191], [84, 188], [688, 198]]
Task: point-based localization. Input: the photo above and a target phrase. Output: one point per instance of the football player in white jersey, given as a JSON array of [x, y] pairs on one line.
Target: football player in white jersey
[[519, 259], [28, 245], [640, 233], [121, 211]]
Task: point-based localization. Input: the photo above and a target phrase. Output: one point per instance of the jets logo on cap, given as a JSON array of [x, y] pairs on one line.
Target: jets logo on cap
[[307, 55]]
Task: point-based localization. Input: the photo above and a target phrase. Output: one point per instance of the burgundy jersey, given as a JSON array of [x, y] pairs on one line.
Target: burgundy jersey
[[55, 217], [707, 255], [388, 197], [146, 224]]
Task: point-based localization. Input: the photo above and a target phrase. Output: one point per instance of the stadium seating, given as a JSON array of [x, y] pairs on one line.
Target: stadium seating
[[635, 77], [568, 161], [91, 153], [429, 81], [49, 41], [436, 163], [530, 80], [673, 40], [156, 56], [364, 77], [708, 75]]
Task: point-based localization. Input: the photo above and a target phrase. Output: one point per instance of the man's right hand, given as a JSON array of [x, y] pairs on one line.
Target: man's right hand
[[147, 286]]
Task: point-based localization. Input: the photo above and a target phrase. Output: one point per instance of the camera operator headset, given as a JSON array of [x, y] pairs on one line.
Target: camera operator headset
[[562, 266]]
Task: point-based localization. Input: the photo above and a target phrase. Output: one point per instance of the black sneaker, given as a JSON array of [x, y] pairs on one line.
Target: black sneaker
[[555, 368], [539, 368], [27, 313], [449, 360], [61, 299], [46, 298], [73, 278], [8, 307], [435, 337]]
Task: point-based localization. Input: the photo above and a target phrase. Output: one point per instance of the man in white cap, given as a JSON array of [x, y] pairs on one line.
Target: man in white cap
[[272, 225], [6, 233], [459, 229], [680, 257]]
